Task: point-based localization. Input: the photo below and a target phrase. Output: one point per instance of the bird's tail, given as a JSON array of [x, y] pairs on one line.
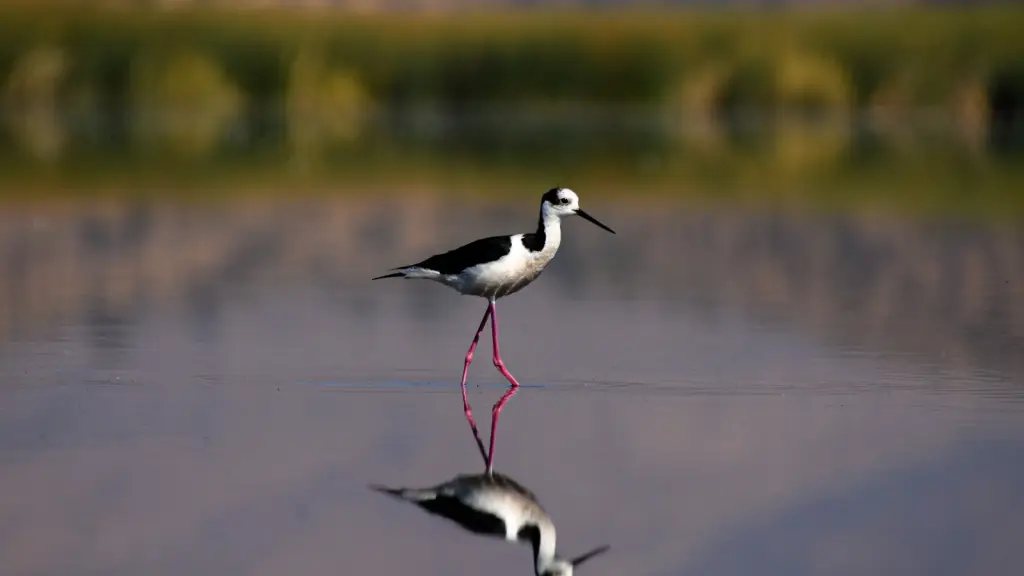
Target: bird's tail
[[408, 494], [410, 272]]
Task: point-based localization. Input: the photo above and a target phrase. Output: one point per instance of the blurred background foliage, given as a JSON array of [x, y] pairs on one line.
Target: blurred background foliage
[[914, 105]]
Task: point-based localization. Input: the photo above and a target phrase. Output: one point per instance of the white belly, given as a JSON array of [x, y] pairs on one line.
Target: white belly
[[503, 277]]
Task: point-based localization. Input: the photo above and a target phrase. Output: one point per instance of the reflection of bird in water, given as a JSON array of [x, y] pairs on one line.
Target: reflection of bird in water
[[493, 504], [495, 267]]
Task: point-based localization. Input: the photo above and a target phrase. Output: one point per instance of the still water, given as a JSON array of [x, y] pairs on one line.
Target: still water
[[209, 388]]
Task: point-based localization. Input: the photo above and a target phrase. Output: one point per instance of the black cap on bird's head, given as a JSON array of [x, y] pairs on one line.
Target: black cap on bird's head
[[551, 196], [563, 202]]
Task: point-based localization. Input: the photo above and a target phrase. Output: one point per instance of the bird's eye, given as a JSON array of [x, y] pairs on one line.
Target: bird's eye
[[564, 200]]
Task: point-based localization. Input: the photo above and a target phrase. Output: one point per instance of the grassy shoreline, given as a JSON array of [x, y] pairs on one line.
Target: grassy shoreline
[[903, 58], [206, 101]]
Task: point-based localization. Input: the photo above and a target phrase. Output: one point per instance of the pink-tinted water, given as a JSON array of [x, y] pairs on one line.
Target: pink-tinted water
[[209, 390]]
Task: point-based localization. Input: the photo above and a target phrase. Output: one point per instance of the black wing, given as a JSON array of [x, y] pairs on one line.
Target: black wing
[[476, 252], [469, 518]]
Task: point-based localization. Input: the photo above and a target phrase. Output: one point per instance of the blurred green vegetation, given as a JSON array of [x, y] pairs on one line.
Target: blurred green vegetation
[[899, 106], [717, 61]]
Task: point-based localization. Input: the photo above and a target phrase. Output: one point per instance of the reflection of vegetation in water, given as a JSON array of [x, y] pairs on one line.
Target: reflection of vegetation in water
[[946, 289], [825, 162]]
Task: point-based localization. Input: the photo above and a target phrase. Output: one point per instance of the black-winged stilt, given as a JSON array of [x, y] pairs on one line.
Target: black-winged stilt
[[492, 504], [496, 267]]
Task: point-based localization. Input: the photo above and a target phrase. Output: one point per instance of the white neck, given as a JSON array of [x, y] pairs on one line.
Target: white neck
[[545, 553], [551, 223]]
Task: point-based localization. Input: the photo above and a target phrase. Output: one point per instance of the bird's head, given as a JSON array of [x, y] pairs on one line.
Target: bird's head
[[562, 202], [560, 567]]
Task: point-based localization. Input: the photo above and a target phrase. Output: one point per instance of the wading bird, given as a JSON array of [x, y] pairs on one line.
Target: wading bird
[[496, 267], [492, 504]]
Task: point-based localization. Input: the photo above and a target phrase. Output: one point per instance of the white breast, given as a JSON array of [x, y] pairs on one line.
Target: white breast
[[508, 506], [508, 274]]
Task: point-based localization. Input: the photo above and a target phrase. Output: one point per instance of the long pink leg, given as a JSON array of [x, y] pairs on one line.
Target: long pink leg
[[465, 399], [496, 411], [497, 353], [494, 422]]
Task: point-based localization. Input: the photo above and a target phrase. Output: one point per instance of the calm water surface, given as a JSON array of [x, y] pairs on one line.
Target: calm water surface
[[209, 389]]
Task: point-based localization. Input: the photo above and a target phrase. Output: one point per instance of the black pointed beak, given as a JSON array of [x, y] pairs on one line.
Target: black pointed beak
[[587, 556], [580, 212]]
